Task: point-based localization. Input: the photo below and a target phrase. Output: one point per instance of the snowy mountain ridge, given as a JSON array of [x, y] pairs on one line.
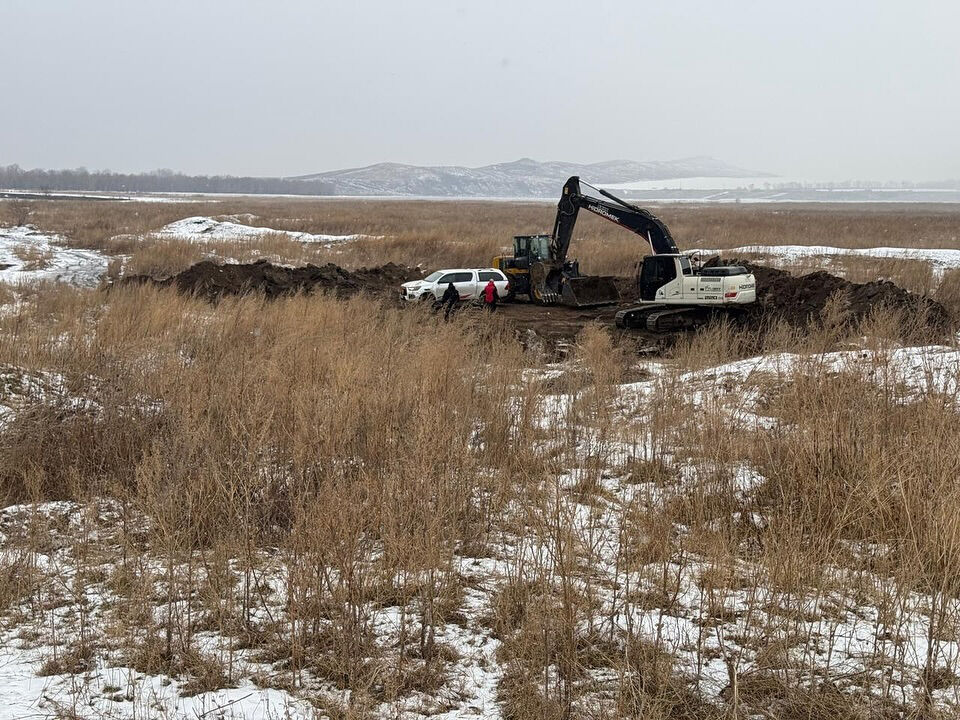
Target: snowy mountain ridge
[[521, 178]]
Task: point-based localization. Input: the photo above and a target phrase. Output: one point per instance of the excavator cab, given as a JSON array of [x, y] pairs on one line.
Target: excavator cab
[[655, 272]]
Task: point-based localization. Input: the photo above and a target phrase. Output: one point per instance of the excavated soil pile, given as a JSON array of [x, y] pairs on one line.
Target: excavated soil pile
[[801, 300], [211, 281]]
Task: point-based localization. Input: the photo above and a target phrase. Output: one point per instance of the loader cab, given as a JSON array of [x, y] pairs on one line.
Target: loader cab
[[657, 271], [531, 247]]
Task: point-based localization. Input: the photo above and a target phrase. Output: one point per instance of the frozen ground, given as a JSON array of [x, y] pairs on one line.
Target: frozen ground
[[139, 197], [41, 676], [940, 259], [30, 684], [846, 635], [21, 389], [911, 372], [696, 183], [205, 229], [29, 255]]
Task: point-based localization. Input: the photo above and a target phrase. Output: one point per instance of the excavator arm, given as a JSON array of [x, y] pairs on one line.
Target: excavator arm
[[637, 220]]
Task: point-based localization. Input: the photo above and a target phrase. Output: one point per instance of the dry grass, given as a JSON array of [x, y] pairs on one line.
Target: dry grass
[[257, 423], [469, 232], [287, 476], [254, 425], [33, 258], [433, 234]]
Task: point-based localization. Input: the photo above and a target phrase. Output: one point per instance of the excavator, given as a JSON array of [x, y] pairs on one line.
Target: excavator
[[539, 267], [673, 294]]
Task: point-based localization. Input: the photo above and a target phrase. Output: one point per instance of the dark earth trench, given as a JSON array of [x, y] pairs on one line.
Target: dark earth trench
[[798, 301]]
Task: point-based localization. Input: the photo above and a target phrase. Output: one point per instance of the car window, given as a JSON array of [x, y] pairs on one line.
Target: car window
[[491, 275], [448, 278], [432, 276], [462, 277]]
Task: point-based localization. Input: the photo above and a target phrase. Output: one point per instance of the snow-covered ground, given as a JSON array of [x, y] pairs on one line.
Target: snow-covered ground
[[106, 688], [940, 258], [206, 229], [33, 684], [696, 183], [136, 197], [736, 387], [120, 693], [739, 387], [914, 370], [845, 634], [860, 633], [28, 255], [21, 388]]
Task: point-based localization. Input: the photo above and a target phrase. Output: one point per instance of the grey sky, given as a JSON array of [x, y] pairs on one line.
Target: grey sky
[[826, 90]]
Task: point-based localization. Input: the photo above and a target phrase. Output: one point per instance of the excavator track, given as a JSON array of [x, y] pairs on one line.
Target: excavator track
[[661, 318]]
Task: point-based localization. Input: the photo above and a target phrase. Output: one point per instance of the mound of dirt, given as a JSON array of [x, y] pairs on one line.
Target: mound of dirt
[[210, 280], [800, 300]]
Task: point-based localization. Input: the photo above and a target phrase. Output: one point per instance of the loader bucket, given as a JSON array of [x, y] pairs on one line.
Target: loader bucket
[[589, 290]]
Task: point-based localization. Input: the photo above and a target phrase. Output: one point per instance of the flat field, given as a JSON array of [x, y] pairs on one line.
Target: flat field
[[332, 506]]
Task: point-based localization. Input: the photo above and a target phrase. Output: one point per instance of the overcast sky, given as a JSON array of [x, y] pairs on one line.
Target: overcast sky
[[822, 90]]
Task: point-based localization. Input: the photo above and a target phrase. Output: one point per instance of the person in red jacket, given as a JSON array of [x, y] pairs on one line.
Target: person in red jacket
[[490, 295]]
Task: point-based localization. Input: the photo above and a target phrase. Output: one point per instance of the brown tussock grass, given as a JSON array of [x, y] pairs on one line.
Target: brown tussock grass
[[370, 450]]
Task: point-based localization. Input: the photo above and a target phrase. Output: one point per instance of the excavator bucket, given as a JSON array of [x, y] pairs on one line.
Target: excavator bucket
[[589, 291]]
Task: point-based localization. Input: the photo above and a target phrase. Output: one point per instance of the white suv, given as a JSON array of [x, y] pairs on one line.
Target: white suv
[[468, 282]]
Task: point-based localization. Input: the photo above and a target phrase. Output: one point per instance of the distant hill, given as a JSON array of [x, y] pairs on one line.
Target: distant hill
[[13, 177], [521, 178]]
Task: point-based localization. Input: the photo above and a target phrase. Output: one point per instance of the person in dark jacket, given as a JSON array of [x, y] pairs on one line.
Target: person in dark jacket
[[490, 295], [450, 298]]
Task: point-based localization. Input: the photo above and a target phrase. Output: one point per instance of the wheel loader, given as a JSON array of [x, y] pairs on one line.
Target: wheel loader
[[539, 270], [672, 293]]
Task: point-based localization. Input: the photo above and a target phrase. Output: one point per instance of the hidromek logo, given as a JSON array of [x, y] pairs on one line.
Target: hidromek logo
[[600, 210]]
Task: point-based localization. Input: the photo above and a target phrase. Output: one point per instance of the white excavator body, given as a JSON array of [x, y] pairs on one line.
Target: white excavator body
[[672, 280], [675, 295]]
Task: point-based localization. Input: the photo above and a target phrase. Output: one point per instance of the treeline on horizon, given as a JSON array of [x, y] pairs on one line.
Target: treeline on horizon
[[13, 177]]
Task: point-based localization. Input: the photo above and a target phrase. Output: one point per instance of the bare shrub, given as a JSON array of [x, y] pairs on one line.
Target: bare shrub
[[33, 258], [948, 291]]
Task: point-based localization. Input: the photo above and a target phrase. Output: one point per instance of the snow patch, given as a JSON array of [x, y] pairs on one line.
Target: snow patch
[[204, 229], [917, 370], [695, 183], [941, 258], [738, 388], [28, 255]]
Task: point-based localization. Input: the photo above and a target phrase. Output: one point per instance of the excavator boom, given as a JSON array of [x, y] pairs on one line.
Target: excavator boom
[[635, 219], [581, 291]]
